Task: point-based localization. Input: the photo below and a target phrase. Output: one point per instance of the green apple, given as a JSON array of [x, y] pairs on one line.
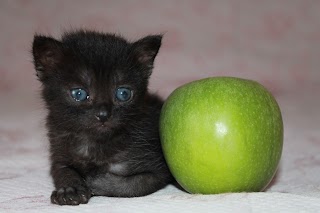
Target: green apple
[[222, 134]]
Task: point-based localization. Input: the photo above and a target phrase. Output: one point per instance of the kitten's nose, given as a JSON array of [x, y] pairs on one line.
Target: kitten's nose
[[102, 114]]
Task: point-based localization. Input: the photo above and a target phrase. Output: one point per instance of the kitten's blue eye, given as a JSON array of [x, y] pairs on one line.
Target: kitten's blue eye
[[79, 94], [123, 94]]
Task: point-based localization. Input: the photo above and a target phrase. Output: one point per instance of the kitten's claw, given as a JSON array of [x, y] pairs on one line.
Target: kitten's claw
[[70, 196]]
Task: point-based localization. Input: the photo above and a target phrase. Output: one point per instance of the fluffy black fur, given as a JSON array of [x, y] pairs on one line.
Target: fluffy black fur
[[121, 155]]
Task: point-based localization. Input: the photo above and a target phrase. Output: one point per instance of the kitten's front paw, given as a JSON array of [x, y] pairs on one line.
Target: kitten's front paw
[[70, 196]]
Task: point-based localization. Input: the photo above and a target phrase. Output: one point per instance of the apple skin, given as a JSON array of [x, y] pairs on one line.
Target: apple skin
[[222, 134]]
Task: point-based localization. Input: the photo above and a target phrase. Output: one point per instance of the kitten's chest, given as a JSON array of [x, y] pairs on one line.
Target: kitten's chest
[[88, 152], [93, 158]]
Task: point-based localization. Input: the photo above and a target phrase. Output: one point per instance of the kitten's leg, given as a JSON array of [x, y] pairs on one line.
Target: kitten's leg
[[71, 189], [125, 186]]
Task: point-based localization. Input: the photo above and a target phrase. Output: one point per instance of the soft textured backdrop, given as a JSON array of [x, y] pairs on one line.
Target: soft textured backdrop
[[275, 42]]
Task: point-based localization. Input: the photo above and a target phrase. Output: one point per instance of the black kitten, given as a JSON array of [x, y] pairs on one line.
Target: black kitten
[[102, 122]]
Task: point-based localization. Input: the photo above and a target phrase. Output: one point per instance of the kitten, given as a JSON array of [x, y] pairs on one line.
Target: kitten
[[102, 122]]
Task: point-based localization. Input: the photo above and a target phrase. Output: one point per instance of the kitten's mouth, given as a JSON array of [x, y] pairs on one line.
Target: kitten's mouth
[[104, 127]]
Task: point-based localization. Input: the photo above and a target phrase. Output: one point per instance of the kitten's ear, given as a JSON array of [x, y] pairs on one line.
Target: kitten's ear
[[146, 49], [47, 53]]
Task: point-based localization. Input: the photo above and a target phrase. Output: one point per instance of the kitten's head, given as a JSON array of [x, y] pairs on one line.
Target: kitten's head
[[93, 81]]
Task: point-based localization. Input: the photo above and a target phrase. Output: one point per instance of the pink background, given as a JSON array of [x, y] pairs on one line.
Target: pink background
[[276, 42]]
